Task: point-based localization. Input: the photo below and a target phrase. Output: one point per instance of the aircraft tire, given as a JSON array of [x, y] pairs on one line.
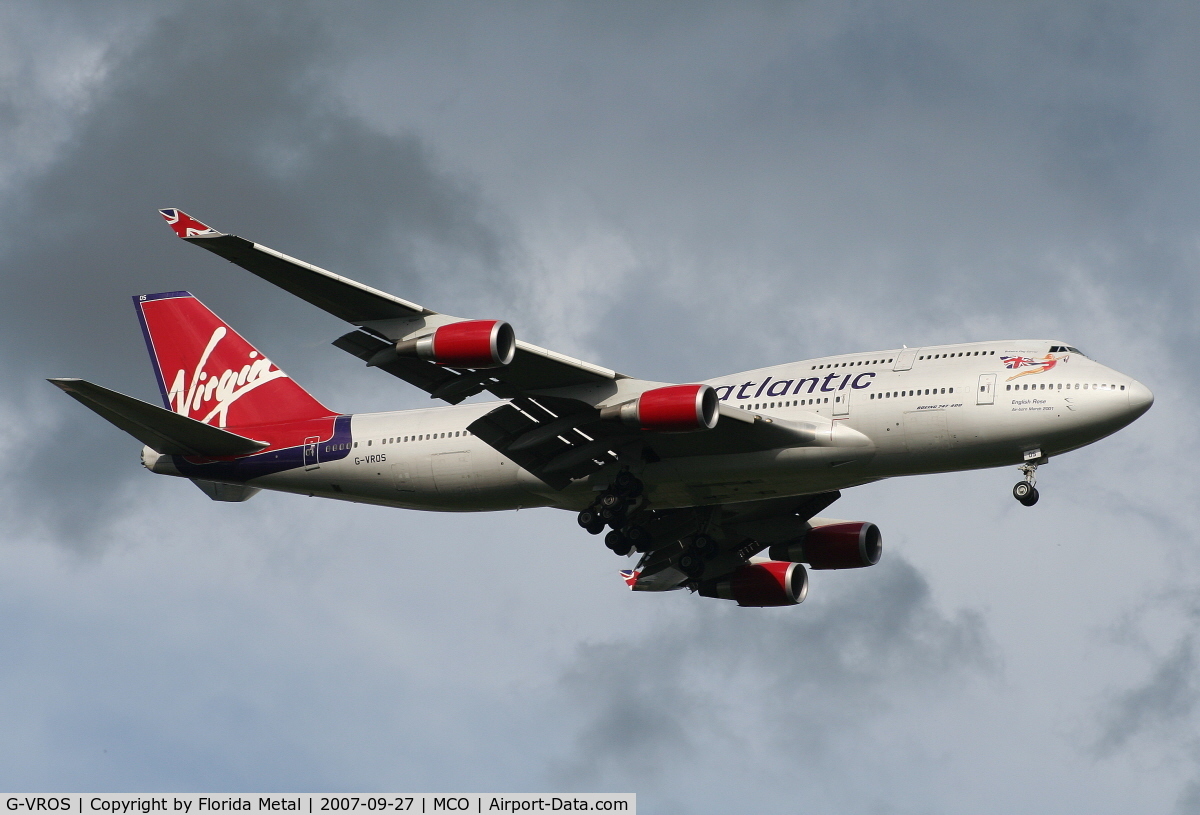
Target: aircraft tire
[[639, 537], [691, 564], [613, 515], [618, 543], [1032, 498], [704, 546], [1022, 490]]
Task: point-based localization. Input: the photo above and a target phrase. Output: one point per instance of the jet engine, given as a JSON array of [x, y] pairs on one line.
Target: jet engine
[[465, 344], [673, 409], [830, 544], [771, 583]]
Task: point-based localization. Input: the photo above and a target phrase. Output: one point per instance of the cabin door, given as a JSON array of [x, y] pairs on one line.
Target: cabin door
[[905, 359], [986, 394], [311, 459]]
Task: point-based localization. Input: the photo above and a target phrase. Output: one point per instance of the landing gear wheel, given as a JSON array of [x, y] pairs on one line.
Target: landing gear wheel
[[691, 564], [704, 546], [639, 537], [618, 543], [610, 499], [625, 481], [613, 516], [588, 518], [596, 528], [1025, 491]]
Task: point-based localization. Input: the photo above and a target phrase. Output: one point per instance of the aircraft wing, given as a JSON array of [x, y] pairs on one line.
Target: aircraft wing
[[745, 529], [384, 319]]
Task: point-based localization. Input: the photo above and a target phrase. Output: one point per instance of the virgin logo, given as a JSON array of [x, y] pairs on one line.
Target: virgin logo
[[210, 394]]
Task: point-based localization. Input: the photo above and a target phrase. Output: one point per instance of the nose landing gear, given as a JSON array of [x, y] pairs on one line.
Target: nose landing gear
[[1025, 491]]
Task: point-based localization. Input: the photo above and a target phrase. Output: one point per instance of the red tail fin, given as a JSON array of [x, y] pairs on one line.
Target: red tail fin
[[206, 371]]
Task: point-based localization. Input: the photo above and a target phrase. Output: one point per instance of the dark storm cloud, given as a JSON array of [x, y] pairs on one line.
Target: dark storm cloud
[[230, 118], [651, 704], [1166, 699], [1163, 708]]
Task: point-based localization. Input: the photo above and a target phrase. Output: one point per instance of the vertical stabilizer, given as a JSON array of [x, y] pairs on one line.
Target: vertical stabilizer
[[208, 372]]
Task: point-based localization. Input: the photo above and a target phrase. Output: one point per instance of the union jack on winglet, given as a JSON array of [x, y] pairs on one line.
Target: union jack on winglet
[[185, 225], [630, 576]]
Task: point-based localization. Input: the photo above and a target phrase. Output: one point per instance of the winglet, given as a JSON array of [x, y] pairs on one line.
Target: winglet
[[630, 576], [185, 225]]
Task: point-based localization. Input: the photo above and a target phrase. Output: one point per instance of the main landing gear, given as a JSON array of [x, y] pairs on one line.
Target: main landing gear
[[694, 559], [1025, 491], [611, 508]]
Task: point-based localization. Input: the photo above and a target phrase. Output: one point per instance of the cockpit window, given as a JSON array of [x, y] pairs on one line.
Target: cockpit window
[[1066, 349]]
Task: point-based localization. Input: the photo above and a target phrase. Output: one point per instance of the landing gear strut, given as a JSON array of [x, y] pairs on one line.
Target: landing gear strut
[[1025, 491]]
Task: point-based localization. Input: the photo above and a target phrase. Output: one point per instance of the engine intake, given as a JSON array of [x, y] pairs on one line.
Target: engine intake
[[466, 344], [772, 583], [834, 545], [673, 409]]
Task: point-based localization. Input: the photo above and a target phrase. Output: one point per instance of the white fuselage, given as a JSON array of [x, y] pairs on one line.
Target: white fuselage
[[923, 410]]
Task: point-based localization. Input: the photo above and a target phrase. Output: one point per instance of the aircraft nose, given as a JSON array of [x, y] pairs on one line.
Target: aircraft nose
[[1140, 398]]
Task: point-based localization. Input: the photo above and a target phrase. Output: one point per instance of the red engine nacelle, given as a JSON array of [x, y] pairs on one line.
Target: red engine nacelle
[[834, 545], [466, 344], [773, 583], [673, 409]]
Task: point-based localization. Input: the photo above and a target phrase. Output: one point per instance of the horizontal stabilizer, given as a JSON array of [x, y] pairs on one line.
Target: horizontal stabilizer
[[159, 429]]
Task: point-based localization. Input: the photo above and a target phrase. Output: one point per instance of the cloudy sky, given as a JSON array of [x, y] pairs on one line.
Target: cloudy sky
[[672, 190]]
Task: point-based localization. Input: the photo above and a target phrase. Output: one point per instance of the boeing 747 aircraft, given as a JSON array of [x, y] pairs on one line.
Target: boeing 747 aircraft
[[700, 480]]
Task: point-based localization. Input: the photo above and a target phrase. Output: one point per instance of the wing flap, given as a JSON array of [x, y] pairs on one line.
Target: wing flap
[[436, 380], [558, 440], [159, 429]]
